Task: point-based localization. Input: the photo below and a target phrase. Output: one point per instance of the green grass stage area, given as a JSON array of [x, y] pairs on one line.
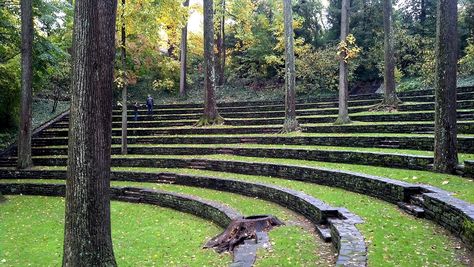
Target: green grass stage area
[[394, 238]]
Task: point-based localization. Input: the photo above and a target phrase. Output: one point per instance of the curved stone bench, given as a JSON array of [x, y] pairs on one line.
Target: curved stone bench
[[425, 92], [302, 109], [332, 224], [322, 108], [460, 214], [391, 160], [174, 122], [400, 116], [465, 144], [463, 128]]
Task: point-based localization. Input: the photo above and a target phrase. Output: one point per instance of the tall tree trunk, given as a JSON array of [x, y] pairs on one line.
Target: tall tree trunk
[[24, 134], [221, 46], [290, 124], [125, 83], [211, 115], [183, 56], [87, 234], [445, 146], [422, 12], [390, 96], [343, 116]]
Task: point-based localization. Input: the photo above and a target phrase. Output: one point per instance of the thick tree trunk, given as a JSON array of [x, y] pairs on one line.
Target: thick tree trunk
[[343, 116], [290, 124], [220, 64], [124, 149], [211, 115], [445, 152], [24, 134], [390, 96], [183, 56], [87, 234]]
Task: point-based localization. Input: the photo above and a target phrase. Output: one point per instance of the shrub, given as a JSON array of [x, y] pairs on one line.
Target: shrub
[[9, 94], [466, 63], [468, 232]]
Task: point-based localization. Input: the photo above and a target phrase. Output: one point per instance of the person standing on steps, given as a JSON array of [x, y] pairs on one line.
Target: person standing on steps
[[149, 104], [135, 111]]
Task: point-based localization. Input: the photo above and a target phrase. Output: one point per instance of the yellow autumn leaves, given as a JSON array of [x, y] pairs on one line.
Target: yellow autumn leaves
[[348, 49]]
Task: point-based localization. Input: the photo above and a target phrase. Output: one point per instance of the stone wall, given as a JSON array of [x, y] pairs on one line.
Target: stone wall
[[463, 128], [351, 157], [469, 168], [465, 144], [453, 214]]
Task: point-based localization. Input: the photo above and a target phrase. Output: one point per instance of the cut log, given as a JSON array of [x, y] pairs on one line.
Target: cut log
[[242, 229]]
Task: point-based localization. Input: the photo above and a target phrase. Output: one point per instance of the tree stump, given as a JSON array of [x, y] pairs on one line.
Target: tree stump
[[242, 229]]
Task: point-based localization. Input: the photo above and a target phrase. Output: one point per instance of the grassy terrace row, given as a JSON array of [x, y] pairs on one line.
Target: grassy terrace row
[[370, 140], [273, 114], [462, 156], [393, 237], [423, 94], [461, 188], [261, 123], [290, 240], [462, 127], [32, 234], [298, 134], [323, 108], [133, 126]]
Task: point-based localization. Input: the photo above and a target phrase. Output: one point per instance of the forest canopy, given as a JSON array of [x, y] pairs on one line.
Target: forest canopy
[[253, 44]]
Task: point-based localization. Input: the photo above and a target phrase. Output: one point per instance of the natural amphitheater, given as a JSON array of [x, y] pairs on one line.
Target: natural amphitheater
[[236, 163]]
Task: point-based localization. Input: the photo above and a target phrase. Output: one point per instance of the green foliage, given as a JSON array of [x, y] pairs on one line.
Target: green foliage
[[466, 63], [410, 85], [9, 93], [348, 49], [310, 12], [468, 231], [52, 39], [317, 69], [167, 75]]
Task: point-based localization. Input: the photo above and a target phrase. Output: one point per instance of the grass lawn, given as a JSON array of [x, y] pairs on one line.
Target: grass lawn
[[143, 235], [292, 239], [393, 237]]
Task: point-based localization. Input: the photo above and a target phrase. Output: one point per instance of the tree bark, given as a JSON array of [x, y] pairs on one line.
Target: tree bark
[[24, 134], [343, 116], [390, 96], [445, 152], [211, 115], [123, 55], [87, 234], [183, 56], [221, 47], [290, 124]]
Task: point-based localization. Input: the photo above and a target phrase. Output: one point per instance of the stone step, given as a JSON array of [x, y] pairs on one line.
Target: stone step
[[417, 200], [324, 232], [412, 209]]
